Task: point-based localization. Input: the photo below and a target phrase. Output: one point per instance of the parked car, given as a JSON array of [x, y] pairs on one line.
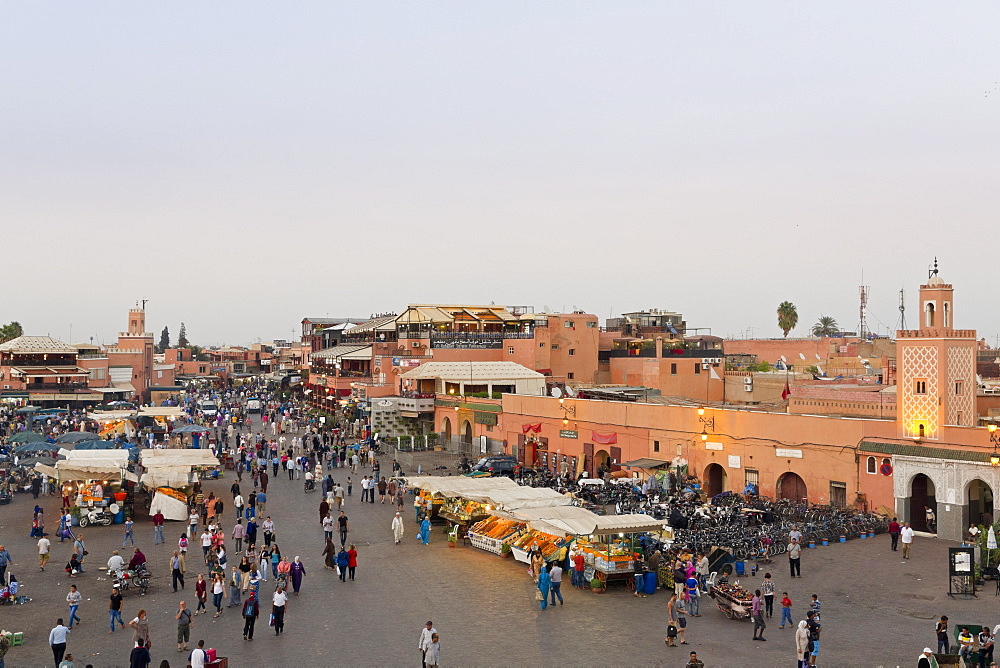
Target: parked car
[[496, 465]]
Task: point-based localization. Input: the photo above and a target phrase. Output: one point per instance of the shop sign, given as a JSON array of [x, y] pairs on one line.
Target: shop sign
[[485, 418], [568, 433], [713, 446], [785, 452], [734, 461]]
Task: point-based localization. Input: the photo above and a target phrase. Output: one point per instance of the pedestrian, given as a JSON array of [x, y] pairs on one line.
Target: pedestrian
[[44, 545], [433, 655], [767, 590], [177, 570], [578, 568], [802, 645], [297, 570], [157, 529], [344, 528], [794, 557], [815, 605], [140, 628], [906, 534], [201, 592], [182, 548], [279, 604], [251, 610], [425, 531], [693, 592], [342, 561], [397, 528], [129, 533], [139, 658], [555, 578], [757, 611], [424, 642], [544, 584], [941, 630], [67, 662], [184, 621], [5, 561], [328, 525], [115, 609], [985, 646], [694, 661], [786, 610], [199, 656], [73, 598], [382, 487], [57, 640], [812, 623], [235, 584], [352, 561], [218, 588], [894, 533], [329, 555], [929, 518], [239, 533]]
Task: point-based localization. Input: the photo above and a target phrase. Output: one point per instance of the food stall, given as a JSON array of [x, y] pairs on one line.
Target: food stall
[[492, 533], [167, 472], [434, 491], [92, 479]]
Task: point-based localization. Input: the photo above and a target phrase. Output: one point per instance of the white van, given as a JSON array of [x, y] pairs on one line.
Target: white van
[[208, 408], [254, 405]]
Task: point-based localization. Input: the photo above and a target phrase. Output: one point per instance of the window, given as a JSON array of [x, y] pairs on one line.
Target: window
[[886, 462], [753, 478], [567, 323], [697, 367], [591, 324], [920, 386], [958, 387], [555, 346], [541, 345], [871, 466], [570, 376], [673, 368], [510, 350], [572, 352], [838, 494], [656, 446]]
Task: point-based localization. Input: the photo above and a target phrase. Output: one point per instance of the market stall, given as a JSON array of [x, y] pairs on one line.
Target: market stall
[[168, 473], [93, 481], [492, 533]]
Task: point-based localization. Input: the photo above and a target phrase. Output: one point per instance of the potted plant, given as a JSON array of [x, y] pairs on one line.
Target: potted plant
[[597, 586], [505, 550]]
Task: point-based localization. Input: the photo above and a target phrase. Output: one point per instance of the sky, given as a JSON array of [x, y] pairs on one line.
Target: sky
[[242, 165]]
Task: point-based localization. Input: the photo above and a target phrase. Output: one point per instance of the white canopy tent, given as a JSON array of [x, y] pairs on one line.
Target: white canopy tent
[[87, 465], [173, 468], [575, 521]]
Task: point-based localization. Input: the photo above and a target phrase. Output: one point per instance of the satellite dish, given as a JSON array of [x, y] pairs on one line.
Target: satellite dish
[[570, 391], [818, 357], [114, 508], [801, 356], [556, 392], [783, 359]]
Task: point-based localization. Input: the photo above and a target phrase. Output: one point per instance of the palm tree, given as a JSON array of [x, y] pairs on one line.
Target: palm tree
[[788, 317], [825, 326], [10, 331]]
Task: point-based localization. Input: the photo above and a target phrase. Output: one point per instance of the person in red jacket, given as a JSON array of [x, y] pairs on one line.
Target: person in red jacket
[[578, 566], [352, 560], [894, 533]]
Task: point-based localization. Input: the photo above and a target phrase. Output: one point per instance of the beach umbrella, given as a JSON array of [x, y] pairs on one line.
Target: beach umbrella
[[36, 446], [96, 445], [77, 437], [26, 437]]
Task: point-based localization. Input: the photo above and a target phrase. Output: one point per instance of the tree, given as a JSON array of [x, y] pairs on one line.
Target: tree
[[164, 340], [10, 331], [182, 337], [825, 326], [788, 317]]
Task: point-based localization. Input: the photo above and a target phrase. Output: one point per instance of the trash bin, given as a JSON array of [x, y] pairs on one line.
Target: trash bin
[[120, 517], [650, 583], [741, 568]]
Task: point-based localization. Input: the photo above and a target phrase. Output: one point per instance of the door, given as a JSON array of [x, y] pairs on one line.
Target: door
[[588, 459], [838, 494], [616, 458], [715, 480], [791, 487]]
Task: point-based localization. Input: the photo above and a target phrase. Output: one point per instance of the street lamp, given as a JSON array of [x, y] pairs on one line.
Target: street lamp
[[567, 411], [709, 422], [995, 439]]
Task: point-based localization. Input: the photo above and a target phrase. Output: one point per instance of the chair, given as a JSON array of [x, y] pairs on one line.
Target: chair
[[710, 580]]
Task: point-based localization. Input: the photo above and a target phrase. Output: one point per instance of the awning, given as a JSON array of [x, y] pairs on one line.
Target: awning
[[648, 463], [576, 521], [361, 354]]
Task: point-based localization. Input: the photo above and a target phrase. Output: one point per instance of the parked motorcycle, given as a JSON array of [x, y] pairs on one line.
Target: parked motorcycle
[[100, 516], [126, 579]]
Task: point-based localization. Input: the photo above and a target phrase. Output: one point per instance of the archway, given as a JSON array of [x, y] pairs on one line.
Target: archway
[[467, 433], [791, 487], [921, 494], [446, 428], [980, 498], [715, 480], [602, 458]]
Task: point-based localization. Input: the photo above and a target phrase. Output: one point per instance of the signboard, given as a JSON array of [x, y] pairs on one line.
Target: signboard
[[485, 418], [734, 461], [404, 362], [66, 397], [569, 433], [960, 560], [709, 445], [885, 469], [785, 452]]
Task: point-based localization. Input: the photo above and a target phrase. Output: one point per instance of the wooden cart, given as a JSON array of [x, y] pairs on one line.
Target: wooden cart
[[734, 603]]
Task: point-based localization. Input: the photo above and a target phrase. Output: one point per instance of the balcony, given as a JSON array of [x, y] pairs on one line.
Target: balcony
[[415, 405], [54, 387]]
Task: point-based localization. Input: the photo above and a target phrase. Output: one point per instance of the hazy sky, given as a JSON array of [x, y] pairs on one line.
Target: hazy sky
[[245, 164]]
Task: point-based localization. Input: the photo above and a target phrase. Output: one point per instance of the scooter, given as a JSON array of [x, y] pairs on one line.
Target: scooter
[[99, 516]]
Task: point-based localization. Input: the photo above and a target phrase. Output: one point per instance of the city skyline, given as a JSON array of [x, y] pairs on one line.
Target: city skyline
[[244, 170]]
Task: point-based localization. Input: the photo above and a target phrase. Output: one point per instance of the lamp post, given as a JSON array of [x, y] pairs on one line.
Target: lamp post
[[995, 440], [708, 422]]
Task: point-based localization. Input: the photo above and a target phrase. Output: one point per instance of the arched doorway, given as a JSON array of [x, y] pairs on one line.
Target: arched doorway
[[446, 428], [715, 480], [791, 487], [980, 498], [467, 433], [921, 494], [602, 458]]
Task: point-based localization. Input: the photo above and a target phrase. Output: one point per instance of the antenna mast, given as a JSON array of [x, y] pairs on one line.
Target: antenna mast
[[863, 327], [902, 310]]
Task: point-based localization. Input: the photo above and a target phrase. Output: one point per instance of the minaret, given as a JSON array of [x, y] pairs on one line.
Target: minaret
[[936, 366]]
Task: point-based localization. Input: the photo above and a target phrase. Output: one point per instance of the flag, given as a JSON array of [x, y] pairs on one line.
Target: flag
[[787, 391]]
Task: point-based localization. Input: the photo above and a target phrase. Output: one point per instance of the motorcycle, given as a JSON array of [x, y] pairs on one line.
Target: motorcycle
[[97, 516], [125, 579]]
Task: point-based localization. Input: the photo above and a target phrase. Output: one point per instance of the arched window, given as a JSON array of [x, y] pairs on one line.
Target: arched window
[[929, 311], [871, 465], [886, 462], [946, 316]]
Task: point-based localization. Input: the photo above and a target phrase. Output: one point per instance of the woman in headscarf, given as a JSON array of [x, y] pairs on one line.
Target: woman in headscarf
[[802, 643], [329, 554], [544, 583], [235, 584], [425, 531], [397, 528], [297, 570]]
